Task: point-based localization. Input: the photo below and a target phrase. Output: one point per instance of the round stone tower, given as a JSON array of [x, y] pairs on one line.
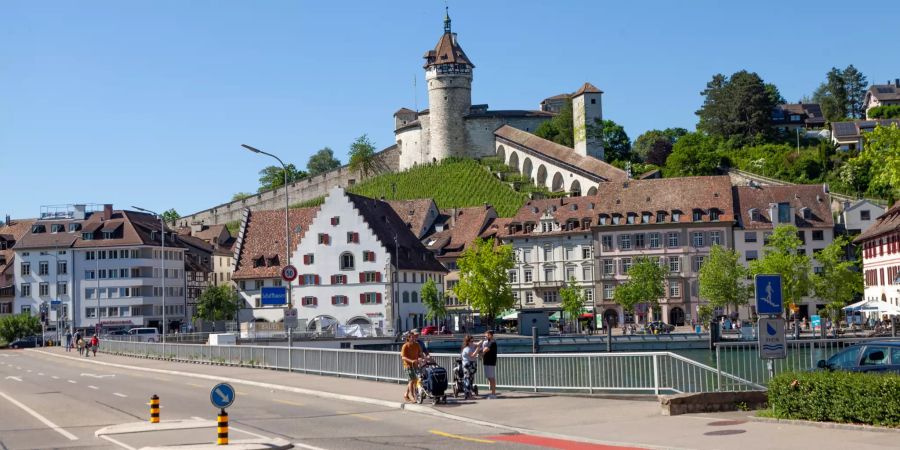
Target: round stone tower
[[448, 72]]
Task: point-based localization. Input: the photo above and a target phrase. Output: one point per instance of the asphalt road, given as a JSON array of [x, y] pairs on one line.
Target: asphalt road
[[49, 402]]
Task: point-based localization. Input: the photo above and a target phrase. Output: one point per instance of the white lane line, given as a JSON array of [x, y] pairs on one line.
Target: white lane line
[[14, 378], [120, 444], [41, 373], [43, 419], [94, 387], [308, 447], [72, 381], [29, 371], [119, 395], [54, 377]]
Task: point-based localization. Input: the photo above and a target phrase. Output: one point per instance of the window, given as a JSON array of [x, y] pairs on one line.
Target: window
[[586, 252], [406, 297], [368, 256], [865, 215], [73, 227], [26, 268], [513, 276], [818, 235], [324, 239], [801, 235], [714, 215], [62, 288], [548, 252], [568, 253], [587, 273], [276, 282], [340, 300], [528, 276], [674, 264], [414, 297], [44, 289], [529, 297], [697, 238], [626, 265], [715, 238], [630, 218], [548, 274], [347, 261], [352, 238], [90, 313], [751, 255], [526, 255], [551, 297], [339, 279], [43, 268], [309, 279], [625, 241], [570, 273], [784, 213], [645, 218], [370, 298], [259, 284], [102, 254], [660, 217], [674, 288], [606, 242], [750, 236], [370, 277], [697, 215], [90, 275], [608, 290], [676, 216], [608, 267], [697, 263], [310, 301], [62, 267], [672, 239], [336, 221], [766, 236], [639, 240], [654, 240]]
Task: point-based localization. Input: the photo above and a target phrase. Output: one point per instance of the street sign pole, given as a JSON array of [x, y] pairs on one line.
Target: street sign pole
[[772, 343], [288, 274]]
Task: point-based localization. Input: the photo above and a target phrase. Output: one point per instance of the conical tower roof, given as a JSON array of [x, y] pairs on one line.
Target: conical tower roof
[[447, 50]]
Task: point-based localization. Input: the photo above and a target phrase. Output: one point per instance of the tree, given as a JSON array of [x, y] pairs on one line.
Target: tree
[[694, 154], [645, 284], [272, 177], [436, 308], [856, 85], [483, 278], [781, 258], [882, 151], [13, 327], [654, 146], [723, 278], [322, 161], [241, 196], [842, 94], [885, 112], [838, 282], [616, 145], [572, 296], [217, 303], [560, 128], [170, 216], [362, 156], [739, 107], [774, 94]]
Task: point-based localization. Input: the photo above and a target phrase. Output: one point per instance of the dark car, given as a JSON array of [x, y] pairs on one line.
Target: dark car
[[878, 356], [26, 342], [659, 327]]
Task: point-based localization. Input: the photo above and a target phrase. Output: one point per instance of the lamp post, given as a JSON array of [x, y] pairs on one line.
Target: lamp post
[[162, 259], [287, 227]]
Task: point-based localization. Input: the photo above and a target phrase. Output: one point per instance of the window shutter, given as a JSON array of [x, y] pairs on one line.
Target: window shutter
[[356, 238], [315, 301], [362, 277], [332, 279], [378, 277], [327, 239], [362, 299], [301, 280], [318, 281], [378, 298], [334, 300]]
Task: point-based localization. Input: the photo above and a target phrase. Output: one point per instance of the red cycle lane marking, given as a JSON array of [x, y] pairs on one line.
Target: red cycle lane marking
[[561, 444]]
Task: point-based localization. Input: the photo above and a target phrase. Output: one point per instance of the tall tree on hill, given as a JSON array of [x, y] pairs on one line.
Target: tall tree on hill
[[774, 94], [616, 145], [737, 107], [362, 156], [273, 177], [856, 85], [842, 94], [654, 146], [484, 278], [560, 128], [694, 154], [322, 161]]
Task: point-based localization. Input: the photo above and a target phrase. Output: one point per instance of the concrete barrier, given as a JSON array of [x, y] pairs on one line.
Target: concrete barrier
[[673, 405]]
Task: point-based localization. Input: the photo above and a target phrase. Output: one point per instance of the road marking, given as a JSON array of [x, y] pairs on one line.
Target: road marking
[[546, 442], [43, 419], [358, 415], [41, 373], [96, 376], [14, 378], [119, 395], [93, 387], [462, 438], [241, 430], [72, 381], [120, 444], [288, 402], [195, 385], [29, 370], [308, 447], [54, 377]]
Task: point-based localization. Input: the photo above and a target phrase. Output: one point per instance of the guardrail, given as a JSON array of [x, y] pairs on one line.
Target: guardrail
[[644, 372]]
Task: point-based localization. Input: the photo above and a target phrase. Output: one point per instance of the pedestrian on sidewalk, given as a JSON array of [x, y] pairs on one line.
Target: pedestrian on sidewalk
[[489, 361], [95, 342], [411, 354], [469, 359], [69, 340], [80, 344]]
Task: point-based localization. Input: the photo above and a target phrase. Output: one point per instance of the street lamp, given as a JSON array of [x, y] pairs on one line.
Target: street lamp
[[287, 226], [162, 259]]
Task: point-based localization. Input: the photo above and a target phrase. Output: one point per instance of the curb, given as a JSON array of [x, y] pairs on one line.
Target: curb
[[826, 425], [240, 444]]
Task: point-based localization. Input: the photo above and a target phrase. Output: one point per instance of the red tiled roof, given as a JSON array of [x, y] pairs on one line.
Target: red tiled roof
[[12, 231], [447, 51], [264, 237], [415, 213], [884, 224], [587, 88], [812, 196], [466, 224]]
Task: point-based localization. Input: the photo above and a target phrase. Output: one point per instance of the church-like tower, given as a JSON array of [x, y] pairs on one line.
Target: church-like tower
[[448, 72]]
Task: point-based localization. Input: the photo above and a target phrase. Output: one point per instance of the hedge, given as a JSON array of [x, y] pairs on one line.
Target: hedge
[[847, 397]]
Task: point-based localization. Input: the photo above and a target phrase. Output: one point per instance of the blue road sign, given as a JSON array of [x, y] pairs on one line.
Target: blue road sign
[[768, 294], [55, 302], [274, 296], [772, 344], [222, 395]]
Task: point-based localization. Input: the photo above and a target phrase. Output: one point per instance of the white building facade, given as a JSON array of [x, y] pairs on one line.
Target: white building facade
[[880, 245]]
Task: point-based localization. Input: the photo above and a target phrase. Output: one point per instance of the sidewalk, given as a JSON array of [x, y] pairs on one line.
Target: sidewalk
[[634, 422]]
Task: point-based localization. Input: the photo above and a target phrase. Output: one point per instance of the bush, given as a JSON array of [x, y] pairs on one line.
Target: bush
[[847, 397]]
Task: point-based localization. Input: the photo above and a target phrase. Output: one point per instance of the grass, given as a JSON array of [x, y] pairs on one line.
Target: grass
[[233, 227]]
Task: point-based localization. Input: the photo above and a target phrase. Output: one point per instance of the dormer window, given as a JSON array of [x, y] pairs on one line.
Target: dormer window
[[714, 215], [107, 235], [754, 215], [697, 215], [676, 216], [546, 226], [645, 218], [73, 227], [272, 261], [259, 262], [616, 219], [630, 218], [37, 228], [57, 228], [87, 236], [660, 216], [603, 219], [806, 213]]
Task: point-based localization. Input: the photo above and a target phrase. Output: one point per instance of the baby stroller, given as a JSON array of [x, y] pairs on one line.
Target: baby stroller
[[464, 379], [432, 383]]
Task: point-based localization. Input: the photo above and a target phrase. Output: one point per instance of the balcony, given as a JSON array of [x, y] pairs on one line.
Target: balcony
[[548, 284]]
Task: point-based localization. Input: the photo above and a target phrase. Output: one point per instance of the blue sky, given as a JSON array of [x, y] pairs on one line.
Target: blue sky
[[146, 103]]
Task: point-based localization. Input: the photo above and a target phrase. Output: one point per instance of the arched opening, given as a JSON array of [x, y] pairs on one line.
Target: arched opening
[[542, 175], [359, 321], [575, 190], [321, 323], [557, 182], [527, 168], [676, 316], [501, 152], [347, 262], [514, 160], [611, 317], [415, 297], [592, 190]]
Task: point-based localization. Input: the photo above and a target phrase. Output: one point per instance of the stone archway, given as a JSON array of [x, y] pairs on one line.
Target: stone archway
[[542, 176], [325, 321], [501, 153], [676, 316], [527, 168], [359, 320], [513, 160], [592, 190], [575, 189], [557, 184]]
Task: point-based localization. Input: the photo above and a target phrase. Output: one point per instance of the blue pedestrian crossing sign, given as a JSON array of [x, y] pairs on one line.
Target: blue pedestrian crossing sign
[[768, 294], [222, 395]]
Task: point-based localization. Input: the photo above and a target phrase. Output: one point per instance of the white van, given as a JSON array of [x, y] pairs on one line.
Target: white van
[[144, 334]]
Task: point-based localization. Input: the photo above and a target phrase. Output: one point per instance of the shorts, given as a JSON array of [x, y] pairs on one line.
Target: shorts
[[490, 372], [412, 373]]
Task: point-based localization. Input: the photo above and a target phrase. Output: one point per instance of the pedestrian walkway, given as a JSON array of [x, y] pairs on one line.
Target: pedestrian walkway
[[631, 422]]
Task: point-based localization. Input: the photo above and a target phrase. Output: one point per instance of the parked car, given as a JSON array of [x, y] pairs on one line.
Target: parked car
[[878, 356], [144, 334], [26, 342], [659, 327]]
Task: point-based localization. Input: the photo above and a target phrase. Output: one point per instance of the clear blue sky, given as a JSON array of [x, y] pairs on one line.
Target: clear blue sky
[[146, 103]]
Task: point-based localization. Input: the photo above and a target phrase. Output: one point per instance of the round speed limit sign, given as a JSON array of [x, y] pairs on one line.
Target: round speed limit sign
[[289, 273]]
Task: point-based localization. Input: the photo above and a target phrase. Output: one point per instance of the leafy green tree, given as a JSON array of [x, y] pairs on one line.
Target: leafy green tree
[[781, 258], [241, 196], [434, 304], [560, 128], [272, 177], [322, 161], [885, 112], [723, 278], [774, 94], [483, 278], [654, 146], [13, 327], [217, 303], [838, 282], [646, 284], [882, 151], [737, 107], [171, 215], [616, 145], [856, 85], [572, 296], [362, 156], [842, 94], [694, 154]]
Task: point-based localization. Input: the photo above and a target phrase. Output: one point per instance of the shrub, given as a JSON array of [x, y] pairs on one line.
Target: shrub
[[848, 397]]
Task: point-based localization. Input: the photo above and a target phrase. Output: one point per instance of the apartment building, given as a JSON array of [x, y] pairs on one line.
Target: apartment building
[[222, 258], [10, 232], [880, 245]]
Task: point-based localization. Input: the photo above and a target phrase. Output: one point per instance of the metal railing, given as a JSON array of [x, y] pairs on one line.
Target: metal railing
[[644, 372]]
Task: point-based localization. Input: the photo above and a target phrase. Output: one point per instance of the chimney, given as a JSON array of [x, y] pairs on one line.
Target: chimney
[[897, 82], [7, 219], [107, 212], [79, 212], [196, 227]]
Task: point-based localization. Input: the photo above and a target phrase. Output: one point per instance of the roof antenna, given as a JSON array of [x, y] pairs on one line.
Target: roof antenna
[[415, 96]]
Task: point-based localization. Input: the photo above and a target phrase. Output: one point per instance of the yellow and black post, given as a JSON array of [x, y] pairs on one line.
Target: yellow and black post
[[154, 409], [222, 428]]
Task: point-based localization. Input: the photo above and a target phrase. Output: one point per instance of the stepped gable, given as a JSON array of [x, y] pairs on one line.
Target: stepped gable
[[812, 196], [264, 238], [415, 213], [886, 223], [385, 225], [588, 166]]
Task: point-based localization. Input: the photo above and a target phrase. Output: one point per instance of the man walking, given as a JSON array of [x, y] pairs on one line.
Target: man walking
[[69, 340], [489, 360]]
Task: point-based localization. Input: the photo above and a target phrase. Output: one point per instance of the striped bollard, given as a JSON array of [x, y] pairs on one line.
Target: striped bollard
[[154, 409], [222, 428]]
